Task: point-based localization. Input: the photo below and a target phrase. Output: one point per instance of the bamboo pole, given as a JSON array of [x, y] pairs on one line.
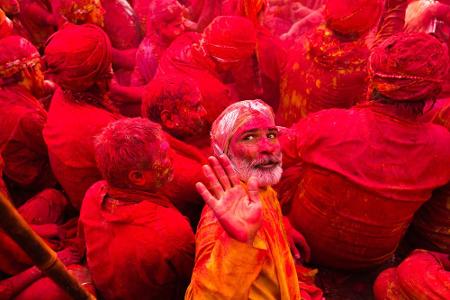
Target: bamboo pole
[[41, 254]]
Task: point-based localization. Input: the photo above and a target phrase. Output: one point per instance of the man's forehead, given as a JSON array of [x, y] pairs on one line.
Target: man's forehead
[[256, 124]]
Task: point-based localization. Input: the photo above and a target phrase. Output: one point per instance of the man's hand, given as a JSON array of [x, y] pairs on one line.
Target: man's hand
[[239, 212], [295, 238]]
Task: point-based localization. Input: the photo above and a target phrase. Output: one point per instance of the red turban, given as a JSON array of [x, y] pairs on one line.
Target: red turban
[[230, 38], [409, 66], [352, 16], [78, 56], [16, 53]]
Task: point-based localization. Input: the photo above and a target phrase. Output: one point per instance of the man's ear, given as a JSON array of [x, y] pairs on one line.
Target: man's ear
[[167, 119], [136, 177]]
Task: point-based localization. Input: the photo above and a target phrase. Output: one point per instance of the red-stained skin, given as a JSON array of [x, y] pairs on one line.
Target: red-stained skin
[[161, 171], [189, 120], [257, 139], [171, 29]]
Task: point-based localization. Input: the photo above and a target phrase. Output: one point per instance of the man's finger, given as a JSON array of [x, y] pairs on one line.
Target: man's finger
[[213, 182], [253, 189], [232, 175], [220, 172], [206, 195]]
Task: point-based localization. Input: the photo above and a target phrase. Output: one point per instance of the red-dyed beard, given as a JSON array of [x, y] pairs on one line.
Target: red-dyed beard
[[267, 170]]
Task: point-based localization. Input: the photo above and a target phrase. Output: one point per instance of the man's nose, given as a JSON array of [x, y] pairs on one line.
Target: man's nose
[[266, 145]]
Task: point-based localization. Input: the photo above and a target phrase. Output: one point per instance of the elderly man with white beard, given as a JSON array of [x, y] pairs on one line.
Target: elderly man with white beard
[[242, 250]]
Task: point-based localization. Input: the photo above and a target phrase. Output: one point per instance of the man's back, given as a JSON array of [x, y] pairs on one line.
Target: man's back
[[364, 174], [136, 250]]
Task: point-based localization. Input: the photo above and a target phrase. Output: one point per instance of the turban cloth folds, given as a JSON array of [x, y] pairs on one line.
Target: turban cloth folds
[[408, 67], [16, 54], [78, 56], [352, 16], [230, 38]]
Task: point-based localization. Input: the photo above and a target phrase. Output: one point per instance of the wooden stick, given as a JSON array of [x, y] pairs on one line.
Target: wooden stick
[[41, 254]]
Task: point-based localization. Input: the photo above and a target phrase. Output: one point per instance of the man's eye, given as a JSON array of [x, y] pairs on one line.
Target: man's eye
[[272, 135], [248, 138]]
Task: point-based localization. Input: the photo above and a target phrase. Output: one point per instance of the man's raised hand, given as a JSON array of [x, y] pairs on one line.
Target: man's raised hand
[[238, 211]]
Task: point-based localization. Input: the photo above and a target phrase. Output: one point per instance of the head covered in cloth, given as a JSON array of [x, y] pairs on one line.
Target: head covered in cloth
[[352, 16], [78, 56], [16, 55], [229, 38], [245, 131], [408, 67], [233, 118]]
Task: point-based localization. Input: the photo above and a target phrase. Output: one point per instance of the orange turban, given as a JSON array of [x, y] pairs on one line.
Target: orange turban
[[409, 66], [352, 16], [78, 56], [230, 38], [16, 53]]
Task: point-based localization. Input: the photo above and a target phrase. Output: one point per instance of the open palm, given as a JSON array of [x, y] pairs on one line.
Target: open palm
[[237, 210]]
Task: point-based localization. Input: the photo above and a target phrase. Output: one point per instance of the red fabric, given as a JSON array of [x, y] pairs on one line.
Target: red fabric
[[16, 53], [69, 135], [409, 67], [121, 24], [185, 58], [355, 196], [431, 226], [147, 235], [147, 60], [33, 15], [352, 16], [420, 276], [251, 9], [259, 75], [187, 164], [322, 72], [46, 289], [78, 56], [6, 26], [230, 38], [22, 146], [46, 207]]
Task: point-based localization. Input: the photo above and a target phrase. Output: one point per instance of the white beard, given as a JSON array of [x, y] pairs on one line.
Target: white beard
[[264, 177]]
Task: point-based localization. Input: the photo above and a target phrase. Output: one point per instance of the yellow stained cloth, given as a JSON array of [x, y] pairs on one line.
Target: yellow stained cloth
[[228, 269]]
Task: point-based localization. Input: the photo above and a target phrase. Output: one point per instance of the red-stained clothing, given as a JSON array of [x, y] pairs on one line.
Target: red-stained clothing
[[185, 57], [187, 163], [228, 269], [33, 17], [138, 245], [259, 75], [121, 24], [322, 72], [360, 175], [22, 146], [69, 135], [431, 226], [147, 60], [46, 207], [420, 276]]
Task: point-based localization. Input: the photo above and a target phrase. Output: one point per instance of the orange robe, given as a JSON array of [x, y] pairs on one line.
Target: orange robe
[[228, 269]]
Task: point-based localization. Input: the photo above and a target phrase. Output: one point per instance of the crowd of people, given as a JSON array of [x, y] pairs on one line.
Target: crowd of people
[[234, 149]]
